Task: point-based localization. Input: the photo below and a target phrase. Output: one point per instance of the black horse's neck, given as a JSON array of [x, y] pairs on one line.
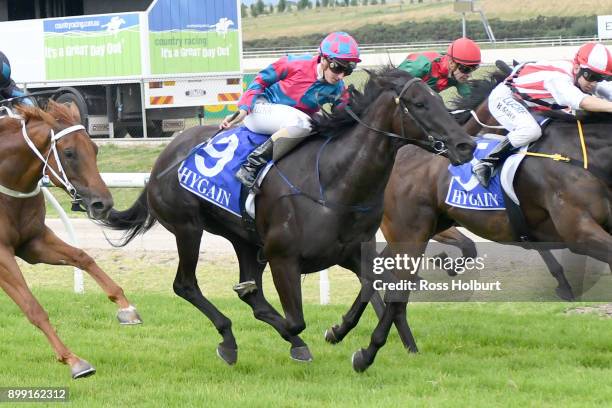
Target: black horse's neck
[[355, 167]]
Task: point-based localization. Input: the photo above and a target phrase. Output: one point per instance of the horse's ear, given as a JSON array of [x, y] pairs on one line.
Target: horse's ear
[[74, 112]]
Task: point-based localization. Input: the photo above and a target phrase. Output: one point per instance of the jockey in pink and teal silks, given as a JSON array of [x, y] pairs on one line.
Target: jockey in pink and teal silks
[[284, 96]]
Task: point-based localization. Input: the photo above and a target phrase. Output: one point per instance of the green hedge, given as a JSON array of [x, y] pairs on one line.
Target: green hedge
[[444, 30]]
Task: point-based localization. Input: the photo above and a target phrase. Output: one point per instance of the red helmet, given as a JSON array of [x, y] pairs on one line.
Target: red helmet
[[464, 51], [596, 57]]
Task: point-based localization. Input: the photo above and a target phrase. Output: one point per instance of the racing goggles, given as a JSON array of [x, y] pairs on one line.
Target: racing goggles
[[466, 69], [591, 76], [341, 67]]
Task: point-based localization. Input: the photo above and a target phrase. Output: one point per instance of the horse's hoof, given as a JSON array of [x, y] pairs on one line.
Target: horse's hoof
[[82, 369], [301, 354], [330, 336], [565, 294], [229, 355], [358, 361], [128, 316]]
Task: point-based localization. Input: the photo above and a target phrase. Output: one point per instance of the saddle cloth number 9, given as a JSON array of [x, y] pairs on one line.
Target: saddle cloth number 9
[[224, 156]]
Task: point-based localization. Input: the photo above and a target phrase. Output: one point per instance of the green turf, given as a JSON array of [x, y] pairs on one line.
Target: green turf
[[477, 355]]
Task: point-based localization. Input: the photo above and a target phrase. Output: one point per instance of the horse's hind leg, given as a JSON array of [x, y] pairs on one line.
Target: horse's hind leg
[[454, 237], [186, 286], [48, 248], [564, 289], [13, 283], [252, 294]]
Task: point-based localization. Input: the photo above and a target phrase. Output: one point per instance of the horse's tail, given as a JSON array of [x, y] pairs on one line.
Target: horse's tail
[[134, 221]]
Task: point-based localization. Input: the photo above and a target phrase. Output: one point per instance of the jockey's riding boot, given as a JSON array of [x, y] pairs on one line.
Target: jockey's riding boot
[[247, 174], [483, 170]]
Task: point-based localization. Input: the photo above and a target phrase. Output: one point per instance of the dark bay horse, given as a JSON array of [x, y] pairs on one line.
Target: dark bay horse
[[33, 144], [563, 204], [334, 202]]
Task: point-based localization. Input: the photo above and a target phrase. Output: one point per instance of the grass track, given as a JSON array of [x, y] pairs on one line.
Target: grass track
[[471, 355]]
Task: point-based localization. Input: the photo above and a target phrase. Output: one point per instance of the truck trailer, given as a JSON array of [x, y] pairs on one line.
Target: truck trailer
[[141, 73]]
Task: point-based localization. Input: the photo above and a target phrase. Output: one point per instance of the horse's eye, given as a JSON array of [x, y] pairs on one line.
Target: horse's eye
[[69, 153], [419, 105]]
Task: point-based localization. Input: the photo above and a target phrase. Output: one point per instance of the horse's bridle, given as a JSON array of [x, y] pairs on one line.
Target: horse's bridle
[[433, 144], [61, 177]]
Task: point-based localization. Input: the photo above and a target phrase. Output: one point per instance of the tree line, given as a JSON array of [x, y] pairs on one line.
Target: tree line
[[445, 30], [282, 6]]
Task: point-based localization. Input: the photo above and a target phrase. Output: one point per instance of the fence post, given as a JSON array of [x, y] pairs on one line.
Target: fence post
[[324, 287], [79, 286]]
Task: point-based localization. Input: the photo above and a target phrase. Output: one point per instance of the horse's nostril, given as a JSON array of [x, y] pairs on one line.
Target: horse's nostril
[[100, 205]]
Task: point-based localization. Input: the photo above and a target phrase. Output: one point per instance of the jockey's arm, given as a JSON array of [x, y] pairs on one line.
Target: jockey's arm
[[268, 76], [565, 92], [595, 104]]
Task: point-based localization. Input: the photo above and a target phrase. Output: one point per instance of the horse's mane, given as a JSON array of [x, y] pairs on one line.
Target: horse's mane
[[479, 91], [52, 115], [337, 122]]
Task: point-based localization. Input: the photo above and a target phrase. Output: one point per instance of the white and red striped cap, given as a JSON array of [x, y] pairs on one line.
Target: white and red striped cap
[[596, 57]]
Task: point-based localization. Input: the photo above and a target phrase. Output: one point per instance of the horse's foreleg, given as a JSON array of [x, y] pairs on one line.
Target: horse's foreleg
[[337, 333], [363, 358], [250, 291], [286, 274], [48, 248], [13, 283], [186, 286]]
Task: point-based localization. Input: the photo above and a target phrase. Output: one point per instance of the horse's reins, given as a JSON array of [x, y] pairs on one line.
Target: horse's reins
[[61, 177], [432, 143], [475, 116]]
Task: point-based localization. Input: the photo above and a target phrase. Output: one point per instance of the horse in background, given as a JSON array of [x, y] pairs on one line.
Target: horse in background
[[317, 206], [34, 144], [563, 204]]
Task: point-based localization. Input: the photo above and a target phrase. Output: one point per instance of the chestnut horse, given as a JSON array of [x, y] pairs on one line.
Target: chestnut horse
[[35, 144]]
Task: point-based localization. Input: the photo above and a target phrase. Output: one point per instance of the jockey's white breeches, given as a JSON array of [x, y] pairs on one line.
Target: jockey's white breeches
[[268, 118], [514, 116]]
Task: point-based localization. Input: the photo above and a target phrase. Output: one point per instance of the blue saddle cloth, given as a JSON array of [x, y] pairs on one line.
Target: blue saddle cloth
[[209, 169], [465, 191]]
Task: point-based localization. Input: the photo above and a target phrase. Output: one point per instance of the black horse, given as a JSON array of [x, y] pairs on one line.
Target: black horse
[[333, 205]]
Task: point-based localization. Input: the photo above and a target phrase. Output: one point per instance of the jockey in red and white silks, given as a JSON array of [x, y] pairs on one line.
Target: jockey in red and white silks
[[532, 87]]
